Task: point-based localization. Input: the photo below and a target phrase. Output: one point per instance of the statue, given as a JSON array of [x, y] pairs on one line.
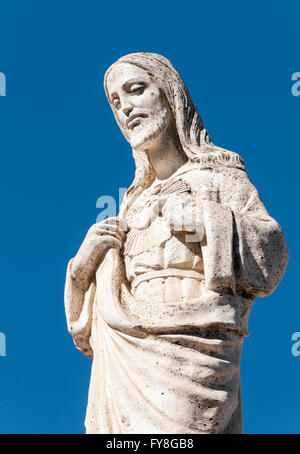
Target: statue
[[159, 296]]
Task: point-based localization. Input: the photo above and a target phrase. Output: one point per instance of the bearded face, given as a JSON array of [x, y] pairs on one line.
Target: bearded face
[[139, 105]]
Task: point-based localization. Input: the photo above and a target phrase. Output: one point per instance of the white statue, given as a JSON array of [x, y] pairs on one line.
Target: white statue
[[159, 297]]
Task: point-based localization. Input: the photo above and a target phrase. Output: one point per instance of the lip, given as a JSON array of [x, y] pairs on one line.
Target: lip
[[134, 117]]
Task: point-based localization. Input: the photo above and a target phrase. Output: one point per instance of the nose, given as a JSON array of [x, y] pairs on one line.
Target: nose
[[127, 109]]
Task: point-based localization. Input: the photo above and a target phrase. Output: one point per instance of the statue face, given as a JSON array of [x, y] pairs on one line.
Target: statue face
[[139, 104]]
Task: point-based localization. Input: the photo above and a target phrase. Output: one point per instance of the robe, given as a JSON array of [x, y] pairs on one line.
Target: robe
[[174, 368]]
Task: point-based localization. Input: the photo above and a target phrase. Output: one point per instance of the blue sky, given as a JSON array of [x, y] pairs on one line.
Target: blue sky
[[61, 150]]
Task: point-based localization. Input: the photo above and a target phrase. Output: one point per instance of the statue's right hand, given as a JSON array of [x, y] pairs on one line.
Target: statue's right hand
[[99, 238]]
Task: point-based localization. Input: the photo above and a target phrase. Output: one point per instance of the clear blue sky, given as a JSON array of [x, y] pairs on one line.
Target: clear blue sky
[[61, 150]]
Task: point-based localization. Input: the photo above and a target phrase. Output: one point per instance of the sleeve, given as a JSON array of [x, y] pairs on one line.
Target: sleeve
[[245, 249], [79, 312]]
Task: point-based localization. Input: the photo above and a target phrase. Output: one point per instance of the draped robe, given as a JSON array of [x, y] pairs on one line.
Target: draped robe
[[175, 367]]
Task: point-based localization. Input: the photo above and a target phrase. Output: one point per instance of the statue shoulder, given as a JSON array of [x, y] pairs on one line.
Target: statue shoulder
[[216, 169]]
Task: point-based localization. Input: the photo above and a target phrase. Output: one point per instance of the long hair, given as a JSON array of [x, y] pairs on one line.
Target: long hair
[[192, 134]]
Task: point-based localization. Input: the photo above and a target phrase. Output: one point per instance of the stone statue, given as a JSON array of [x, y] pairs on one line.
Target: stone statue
[[159, 297]]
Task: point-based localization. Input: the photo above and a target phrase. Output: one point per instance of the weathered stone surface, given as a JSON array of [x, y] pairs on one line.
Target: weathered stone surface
[[159, 297]]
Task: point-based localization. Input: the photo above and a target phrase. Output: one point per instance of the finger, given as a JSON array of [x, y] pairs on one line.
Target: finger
[[97, 245], [108, 233], [110, 229], [107, 227], [114, 220]]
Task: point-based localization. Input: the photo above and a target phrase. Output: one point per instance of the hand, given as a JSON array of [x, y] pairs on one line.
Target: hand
[[99, 239]]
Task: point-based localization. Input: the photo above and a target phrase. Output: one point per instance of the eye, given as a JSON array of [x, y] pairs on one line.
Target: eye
[[137, 89]]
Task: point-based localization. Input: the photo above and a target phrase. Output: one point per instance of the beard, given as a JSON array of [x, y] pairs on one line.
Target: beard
[[149, 130]]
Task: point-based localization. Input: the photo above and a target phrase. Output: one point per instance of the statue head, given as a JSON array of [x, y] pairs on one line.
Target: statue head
[[148, 87], [148, 97]]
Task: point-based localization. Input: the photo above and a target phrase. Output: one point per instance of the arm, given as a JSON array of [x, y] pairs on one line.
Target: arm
[[80, 287], [245, 249], [79, 309]]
